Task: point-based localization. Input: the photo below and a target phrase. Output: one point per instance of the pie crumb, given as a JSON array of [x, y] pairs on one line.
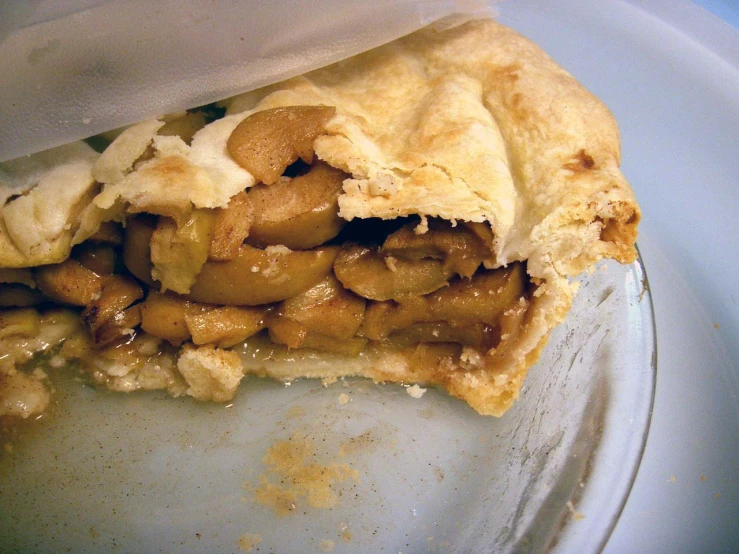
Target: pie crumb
[[471, 358], [211, 373], [277, 250], [344, 399], [248, 541], [422, 227], [576, 516], [415, 391], [326, 545]]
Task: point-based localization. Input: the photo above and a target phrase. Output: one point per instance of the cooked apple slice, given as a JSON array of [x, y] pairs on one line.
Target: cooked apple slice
[[136, 249], [253, 277], [461, 250], [327, 308], [372, 275], [109, 317], [299, 213], [266, 142], [69, 283], [296, 335], [163, 315], [259, 276], [464, 302], [225, 326]]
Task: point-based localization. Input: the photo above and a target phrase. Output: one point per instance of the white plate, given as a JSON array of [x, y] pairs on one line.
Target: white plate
[[670, 75]]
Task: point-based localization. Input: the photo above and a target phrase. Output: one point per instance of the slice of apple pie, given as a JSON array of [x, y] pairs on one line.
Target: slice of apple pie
[[411, 215]]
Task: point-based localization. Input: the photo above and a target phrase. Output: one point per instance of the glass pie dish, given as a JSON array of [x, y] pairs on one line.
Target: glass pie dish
[[335, 466], [362, 467]]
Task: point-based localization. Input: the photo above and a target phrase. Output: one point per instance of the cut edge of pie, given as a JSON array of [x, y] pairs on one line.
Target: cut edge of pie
[[468, 130]]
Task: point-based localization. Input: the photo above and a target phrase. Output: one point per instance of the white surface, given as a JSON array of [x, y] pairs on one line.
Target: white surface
[[670, 73]]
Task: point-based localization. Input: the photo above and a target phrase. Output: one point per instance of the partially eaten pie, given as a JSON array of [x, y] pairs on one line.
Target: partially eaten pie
[[412, 215]]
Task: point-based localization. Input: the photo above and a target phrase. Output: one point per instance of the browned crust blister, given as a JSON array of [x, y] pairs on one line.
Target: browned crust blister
[[474, 123]]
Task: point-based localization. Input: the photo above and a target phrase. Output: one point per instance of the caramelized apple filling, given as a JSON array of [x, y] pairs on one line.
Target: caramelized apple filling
[[331, 297]]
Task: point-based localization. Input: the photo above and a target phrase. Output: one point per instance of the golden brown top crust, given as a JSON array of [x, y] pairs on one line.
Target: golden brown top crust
[[475, 123], [45, 205], [178, 178]]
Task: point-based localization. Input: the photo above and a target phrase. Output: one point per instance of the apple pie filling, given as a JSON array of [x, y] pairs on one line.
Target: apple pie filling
[[335, 297]]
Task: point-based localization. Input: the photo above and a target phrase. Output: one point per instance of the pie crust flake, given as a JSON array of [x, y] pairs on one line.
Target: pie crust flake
[[413, 214]]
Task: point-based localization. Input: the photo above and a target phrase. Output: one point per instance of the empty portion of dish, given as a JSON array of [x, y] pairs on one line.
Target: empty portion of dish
[[410, 215]]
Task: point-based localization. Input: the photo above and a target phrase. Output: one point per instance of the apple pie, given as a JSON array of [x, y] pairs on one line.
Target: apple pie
[[412, 215]]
